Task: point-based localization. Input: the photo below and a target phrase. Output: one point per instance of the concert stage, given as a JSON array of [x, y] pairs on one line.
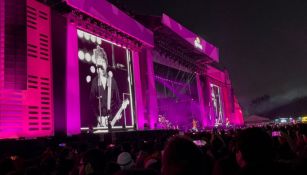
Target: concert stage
[[66, 66], [130, 135]]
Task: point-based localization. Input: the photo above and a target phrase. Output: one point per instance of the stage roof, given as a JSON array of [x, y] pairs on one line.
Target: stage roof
[[196, 41], [173, 39], [112, 16]]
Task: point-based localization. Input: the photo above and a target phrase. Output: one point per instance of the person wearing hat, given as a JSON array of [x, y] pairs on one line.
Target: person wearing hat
[[104, 95], [125, 161]]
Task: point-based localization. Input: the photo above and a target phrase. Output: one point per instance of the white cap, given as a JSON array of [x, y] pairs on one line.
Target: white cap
[[124, 160]]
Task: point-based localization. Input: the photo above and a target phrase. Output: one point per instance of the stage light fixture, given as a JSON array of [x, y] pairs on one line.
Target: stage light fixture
[[80, 33], [93, 59], [93, 69], [93, 38], [88, 57], [87, 36], [81, 55]]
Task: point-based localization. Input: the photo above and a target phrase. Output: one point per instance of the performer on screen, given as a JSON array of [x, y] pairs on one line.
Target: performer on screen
[[104, 95], [194, 125]]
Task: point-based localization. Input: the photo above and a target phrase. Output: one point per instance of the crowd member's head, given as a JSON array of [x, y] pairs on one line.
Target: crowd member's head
[[6, 165], [304, 132], [218, 147], [92, 162], [125, 161], [153, 164], [111, 168], [33, 171], [137, 172], [64, 166], [181, 157], [254, 146]]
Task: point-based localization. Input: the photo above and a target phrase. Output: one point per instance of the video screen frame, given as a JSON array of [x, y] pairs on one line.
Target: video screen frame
[[116, 66]]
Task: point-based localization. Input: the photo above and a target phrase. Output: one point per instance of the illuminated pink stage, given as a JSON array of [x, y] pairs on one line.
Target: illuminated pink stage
[[158, 79]]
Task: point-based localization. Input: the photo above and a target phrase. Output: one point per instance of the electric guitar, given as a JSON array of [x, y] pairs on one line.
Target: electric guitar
[[104, 119]]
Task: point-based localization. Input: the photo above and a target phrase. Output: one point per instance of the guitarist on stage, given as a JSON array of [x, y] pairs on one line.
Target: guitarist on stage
[[104, 95]]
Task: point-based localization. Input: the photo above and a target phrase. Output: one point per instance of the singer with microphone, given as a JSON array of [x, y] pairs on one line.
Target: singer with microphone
[[104, 95]]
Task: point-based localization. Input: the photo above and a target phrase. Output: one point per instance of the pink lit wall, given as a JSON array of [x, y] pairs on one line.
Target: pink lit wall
[[73, 119], [189, 36], [28, 112], [226, 95], [152, 94], [203, 115], [10, 99], [238, 118], [216, 74], [141, 120], [2, 30], [39, 68]]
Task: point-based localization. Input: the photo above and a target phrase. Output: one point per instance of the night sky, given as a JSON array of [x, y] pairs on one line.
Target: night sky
[[262, 43]]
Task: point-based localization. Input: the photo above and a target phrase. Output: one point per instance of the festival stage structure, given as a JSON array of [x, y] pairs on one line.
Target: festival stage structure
[[55, 54], [190, 86]]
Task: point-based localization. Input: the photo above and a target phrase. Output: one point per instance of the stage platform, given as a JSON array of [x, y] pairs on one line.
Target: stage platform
[[118, 135]]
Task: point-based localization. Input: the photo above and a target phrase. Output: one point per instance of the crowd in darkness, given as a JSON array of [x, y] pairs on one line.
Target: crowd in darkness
[[242, 151]]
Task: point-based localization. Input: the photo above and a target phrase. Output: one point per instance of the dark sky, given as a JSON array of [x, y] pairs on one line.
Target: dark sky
[[262, 43]]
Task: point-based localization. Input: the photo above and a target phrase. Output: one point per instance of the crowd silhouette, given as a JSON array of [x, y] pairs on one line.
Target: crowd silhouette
[[252, 150]]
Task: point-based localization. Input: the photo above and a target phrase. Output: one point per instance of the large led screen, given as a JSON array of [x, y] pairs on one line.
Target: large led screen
[[106, 83], [216, 105]]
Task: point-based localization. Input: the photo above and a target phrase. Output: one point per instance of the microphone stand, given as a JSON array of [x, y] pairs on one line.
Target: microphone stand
[[99, 100], [109, 86]]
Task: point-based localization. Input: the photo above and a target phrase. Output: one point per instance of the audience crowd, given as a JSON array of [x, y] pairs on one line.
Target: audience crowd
[[269, 149]]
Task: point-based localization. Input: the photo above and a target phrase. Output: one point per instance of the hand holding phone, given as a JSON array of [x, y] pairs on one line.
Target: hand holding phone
[[62, 144], [200, 142], [276, 134]]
